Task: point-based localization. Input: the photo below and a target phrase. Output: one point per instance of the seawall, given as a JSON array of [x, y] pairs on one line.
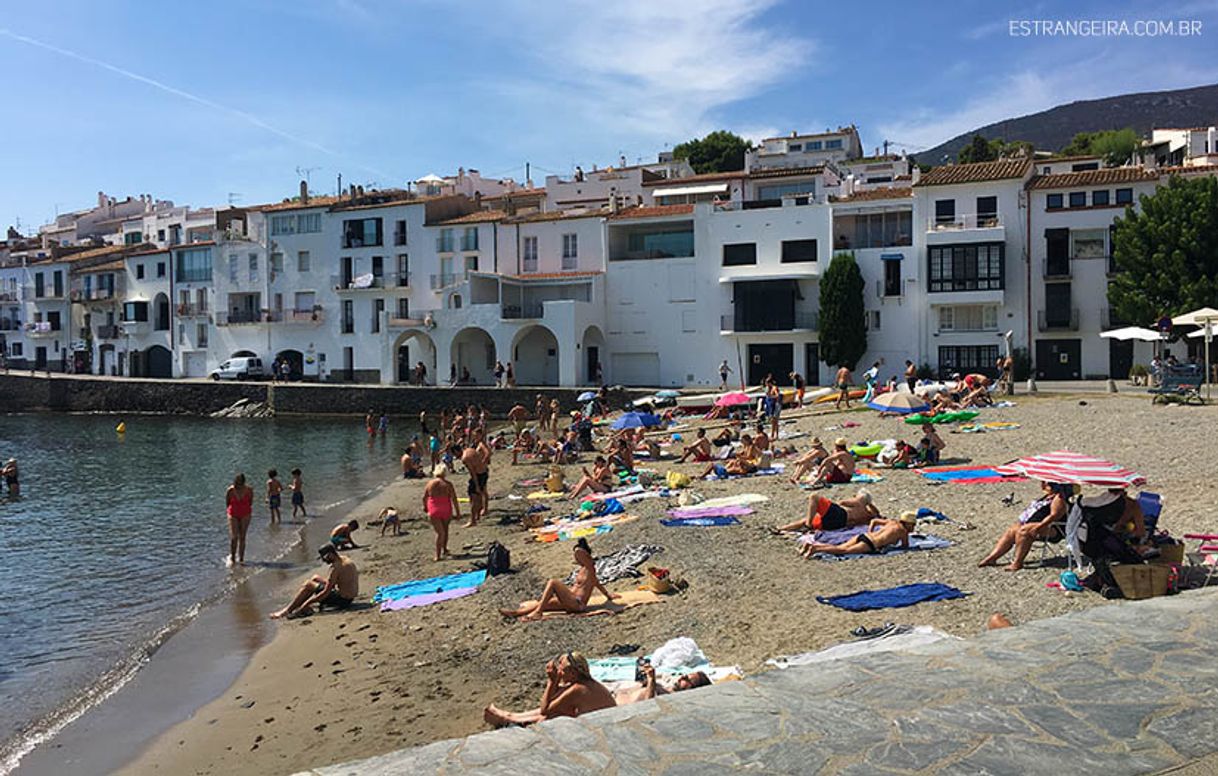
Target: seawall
[[78, 393]]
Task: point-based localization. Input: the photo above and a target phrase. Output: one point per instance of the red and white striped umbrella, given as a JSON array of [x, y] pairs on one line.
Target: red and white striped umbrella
[[1064, 466]]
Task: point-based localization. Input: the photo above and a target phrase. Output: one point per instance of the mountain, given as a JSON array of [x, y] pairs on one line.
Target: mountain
[[1052, 130]]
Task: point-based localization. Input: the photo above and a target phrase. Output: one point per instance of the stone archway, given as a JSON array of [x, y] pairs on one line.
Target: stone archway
[[160, 313], [473, 350], [295, 360], [409, 349], [158, 362], [593, 349], [535, 356]]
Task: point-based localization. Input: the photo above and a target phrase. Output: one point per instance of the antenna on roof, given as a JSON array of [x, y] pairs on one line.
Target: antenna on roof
[[303, 172], [234, 197]]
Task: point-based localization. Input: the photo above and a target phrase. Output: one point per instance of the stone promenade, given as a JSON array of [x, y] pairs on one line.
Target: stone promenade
[[1123, 689]]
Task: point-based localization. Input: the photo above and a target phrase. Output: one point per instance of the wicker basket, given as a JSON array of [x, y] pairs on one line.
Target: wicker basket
[[1140, 581], [1170, 553]]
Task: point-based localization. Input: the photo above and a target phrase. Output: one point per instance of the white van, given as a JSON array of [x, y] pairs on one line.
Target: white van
[[242, 368]]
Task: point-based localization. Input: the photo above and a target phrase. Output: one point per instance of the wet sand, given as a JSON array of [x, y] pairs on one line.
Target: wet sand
[[340, 686]]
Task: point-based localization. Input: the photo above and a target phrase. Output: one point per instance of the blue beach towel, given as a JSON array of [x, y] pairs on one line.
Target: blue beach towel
[[432, 585], [916, 542], [702, 522], [893, 597]]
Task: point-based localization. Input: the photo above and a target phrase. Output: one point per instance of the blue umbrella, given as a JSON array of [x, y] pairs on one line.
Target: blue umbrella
[[586, 396], [635, 420], [668, 394]]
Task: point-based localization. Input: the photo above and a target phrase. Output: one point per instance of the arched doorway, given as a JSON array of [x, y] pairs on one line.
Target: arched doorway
[[409, 350], [160, 312], [535, 356], [158, 362], [593, 343], [108, 363], [295, 360], [473, 350], [244, 354]]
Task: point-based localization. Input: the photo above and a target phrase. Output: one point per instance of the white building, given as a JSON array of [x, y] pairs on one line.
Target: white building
[[1184, 147]]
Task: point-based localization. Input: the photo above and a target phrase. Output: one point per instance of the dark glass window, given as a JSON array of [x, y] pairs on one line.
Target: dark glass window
[[1099, 197], [1054, 201], [794, 251], [739, 254], [1078, 199], [1124, 196]]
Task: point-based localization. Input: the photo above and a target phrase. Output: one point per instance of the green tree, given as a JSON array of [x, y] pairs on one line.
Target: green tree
[[981, 150], [720, 151], [843, 327], [1166, 254], [1116, 146]]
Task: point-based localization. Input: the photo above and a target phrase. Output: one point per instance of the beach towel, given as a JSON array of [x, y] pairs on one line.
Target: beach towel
[[865, 475], [1001, 425], [968, 475], [916, 542], [430, 585], [574, 532], [616, 494], [767, 472], [698, 522], [892, 597], [415, 601], [737, 500], [621, 564], [701, 511], [898, 638], [544, 495], [598, 604], [621, 669]]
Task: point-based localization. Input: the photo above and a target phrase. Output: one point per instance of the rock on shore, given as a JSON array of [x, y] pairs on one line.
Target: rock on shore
[[245, 408]]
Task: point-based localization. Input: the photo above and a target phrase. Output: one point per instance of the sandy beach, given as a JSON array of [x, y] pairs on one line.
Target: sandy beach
[[349, 685]]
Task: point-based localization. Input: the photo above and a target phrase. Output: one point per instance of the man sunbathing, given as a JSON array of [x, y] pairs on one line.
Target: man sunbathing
[[700, 449], [825, 515], [570, 691], [338, 591], [600, 480], [881, 533], [837, 468], [650, 688], [810, 460], [557, 597]]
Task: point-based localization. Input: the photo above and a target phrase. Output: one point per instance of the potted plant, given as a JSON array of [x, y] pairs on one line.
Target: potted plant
[[1138, 374]]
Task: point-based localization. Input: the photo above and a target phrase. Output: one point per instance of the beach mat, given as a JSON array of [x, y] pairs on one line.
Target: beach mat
[[621, 564], [967, 475], [698, 522], [684, 513], [916, 542], [598, 604], [893, 597], [415, 601], [621, 669], [544, 495], [777, 468], [575, 529], [429, 586], [737, 500]]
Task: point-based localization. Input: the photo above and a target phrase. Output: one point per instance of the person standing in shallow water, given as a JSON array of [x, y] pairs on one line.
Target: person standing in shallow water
[[239, 501], [274, 495]]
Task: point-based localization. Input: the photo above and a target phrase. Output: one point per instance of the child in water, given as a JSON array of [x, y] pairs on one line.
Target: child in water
[[273, 491], [298, 505]]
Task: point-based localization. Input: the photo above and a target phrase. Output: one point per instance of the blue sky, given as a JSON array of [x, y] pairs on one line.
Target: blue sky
[[196, 102]]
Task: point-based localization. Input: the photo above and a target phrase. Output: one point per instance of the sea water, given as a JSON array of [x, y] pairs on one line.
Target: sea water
[[118, 540]]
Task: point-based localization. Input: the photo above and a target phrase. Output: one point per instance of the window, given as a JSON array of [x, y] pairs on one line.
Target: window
[[1089, 243], [874, 230], [253, 262], [530, 254], [805, 188], [966, 358], [378, 307], [444, 242], [1057, 252], [1124, 196], [968, 267], [160, 235], [276, 264], [133, 238], [201, 300], [1078, 199], [403, 307], [570, 251], [795, 147], [160, 269], [283, 225], [361, 232], [399, 232], [469, 239], [304, 301], [1054, 202], [1099, 198], [348, 317], [796, 251], [968, 318], [135, 312], [232, 268], [200, 335], [304, 262], [832, 144], [194, 265], [139, 271], [403, 270], [987, 211], [1084, 166], [739, 254], [812, 145], [659, 245], [308, 223], [945, 211], [892, 277]]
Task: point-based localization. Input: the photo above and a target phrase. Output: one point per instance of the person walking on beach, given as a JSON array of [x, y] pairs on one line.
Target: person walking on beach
[[870, 378], [801, 385], [274, 489], [519, 415], [842, 381], [911, 375], [338, 591], [239, 504], [724, 371], [441, 506], [297, 486], [477, 461]]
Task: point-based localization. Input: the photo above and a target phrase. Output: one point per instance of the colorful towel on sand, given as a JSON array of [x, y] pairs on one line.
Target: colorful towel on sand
[[430, 586], [598, 604], [414, 601], [916, 542], [866, 475], [575, 529], [698, 522], [702, 511], [737, 500], [621, 669], [768, 472], [893, 597], [621, 564], [544, 495], [966, 474], [1000, 425]]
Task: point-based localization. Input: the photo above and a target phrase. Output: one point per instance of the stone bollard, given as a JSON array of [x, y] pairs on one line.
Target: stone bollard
[[1031, 385], [1112, 386]]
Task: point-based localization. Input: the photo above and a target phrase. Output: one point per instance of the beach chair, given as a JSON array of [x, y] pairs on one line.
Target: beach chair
[[1152, 507], [1205, 558]]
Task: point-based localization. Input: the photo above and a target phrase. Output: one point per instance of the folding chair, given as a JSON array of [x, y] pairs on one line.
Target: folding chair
[[1206, 556], [1152, 507]]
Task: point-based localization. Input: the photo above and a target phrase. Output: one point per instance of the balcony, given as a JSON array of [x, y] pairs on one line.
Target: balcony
[[738, 324], [469, 243], [241, 317], [1058, 320], [109, 332], [447, 280], [984, 227], [48, 292], [100, 292], [445, 245], [313, 316], [41, 329], [421, 320], [191, 310], [1056, 269], [522, 312], [369, 282]]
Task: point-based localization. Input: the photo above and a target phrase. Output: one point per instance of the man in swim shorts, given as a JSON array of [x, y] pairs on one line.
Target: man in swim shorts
[[519, 415], [477, 460], [273, 498], [837, 468], [340, 537], [700, 449], [842, 382], [881, 533], [338, 591], [826, 515]]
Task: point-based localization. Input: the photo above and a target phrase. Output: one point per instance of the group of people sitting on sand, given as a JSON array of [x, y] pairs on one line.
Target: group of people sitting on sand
[[971, 390]]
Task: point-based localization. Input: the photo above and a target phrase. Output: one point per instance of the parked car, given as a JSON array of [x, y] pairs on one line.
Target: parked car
[[243, 368]]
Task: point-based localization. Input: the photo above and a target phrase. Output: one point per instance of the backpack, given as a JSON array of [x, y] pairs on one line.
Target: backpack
[[498, 559]]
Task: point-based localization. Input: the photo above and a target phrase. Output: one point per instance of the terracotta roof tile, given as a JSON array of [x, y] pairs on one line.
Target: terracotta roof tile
[[886, 192], [296, 204], [653, 211], [1093, 178], [109, 266], [1199, 168], [703, 178], [978, 172], [537, 191], [477, 217], [557, 215], [786, 172]]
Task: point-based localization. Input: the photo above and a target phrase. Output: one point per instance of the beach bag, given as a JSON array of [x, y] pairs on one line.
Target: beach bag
[[658, 580], [498, 559], [676, 480], [610, 506]]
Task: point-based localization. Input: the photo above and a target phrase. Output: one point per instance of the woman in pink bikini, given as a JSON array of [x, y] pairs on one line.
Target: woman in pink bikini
[[440, 503], [240, 506]]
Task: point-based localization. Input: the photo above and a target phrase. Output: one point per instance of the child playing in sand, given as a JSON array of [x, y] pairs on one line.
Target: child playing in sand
[[298, 495], [273, 490], [340, 537], [389, 517]]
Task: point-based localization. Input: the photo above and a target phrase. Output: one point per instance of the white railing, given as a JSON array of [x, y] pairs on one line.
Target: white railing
[[967, 221]]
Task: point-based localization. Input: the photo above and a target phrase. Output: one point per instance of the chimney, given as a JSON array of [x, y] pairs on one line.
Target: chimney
[[101, 199], [509, 206], [460, 173], [612, 203], [304, 192], [478, 200]]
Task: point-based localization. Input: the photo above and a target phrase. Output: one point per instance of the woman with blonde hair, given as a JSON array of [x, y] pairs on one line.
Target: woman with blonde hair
[[441, 505], [570, 691]]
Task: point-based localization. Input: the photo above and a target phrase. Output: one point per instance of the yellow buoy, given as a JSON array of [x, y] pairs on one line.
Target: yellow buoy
[[121, 428]]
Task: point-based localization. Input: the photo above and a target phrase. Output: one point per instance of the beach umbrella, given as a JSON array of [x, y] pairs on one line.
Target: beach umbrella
[[733, 399], [635, 420], [1211, 330], [1205, 318], [895, 401], [1132, 333], [1064, 466], [586, 396]]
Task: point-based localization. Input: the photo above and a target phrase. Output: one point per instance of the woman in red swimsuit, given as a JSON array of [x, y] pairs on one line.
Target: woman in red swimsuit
[[240, 505], [440, 503]]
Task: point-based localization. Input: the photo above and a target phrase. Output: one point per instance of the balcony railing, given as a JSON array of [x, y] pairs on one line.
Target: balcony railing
[[383, 280], [515, 312], [240, 317], [1058, 320], [969, 221], [799, 320], [97, 292], [420, 320], [1056, 269], [446, 280], [444, 245], [41, 329], [314, 315], [109, 331], [191, 310], [469, 243]]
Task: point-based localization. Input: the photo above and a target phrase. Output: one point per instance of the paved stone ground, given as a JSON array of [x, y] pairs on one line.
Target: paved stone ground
[[1129, 688]]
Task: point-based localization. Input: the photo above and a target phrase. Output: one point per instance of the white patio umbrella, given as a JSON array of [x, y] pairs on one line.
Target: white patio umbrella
[[1132, 333], [1205, 317], [430, 177]]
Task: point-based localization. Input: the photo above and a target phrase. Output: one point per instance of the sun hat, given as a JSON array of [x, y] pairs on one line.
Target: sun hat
[[816, 442], [840, 442], [909, 517]]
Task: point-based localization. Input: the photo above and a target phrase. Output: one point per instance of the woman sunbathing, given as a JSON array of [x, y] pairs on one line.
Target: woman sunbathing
[[570, 691], [557, 597], [600, 480], [881, 533], [744, 462], [651, 688], [1043, 519]]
